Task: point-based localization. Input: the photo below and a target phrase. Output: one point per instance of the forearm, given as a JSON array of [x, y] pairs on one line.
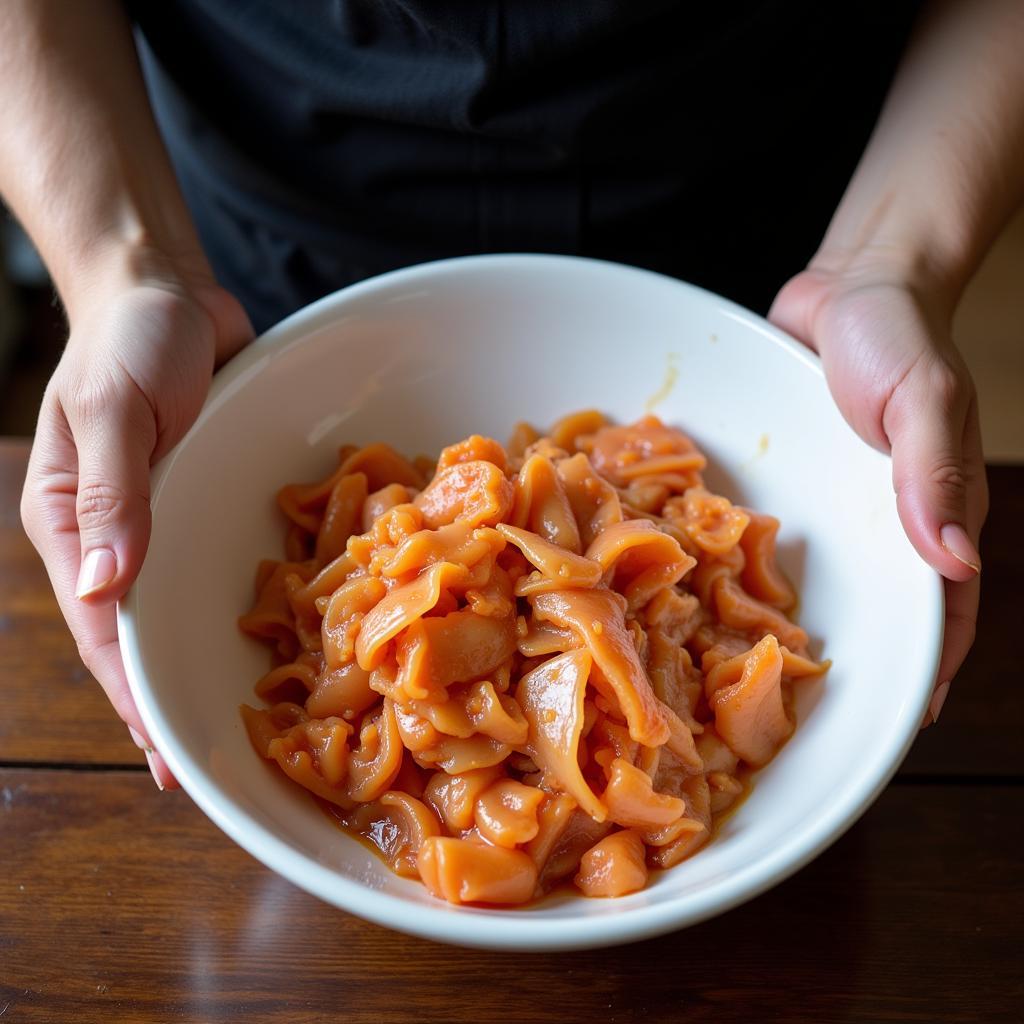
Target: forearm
[[945, 166], [82, 164]]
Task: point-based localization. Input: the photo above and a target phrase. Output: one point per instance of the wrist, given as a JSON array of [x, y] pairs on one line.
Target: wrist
[[927, 237], [127, 257], [899, 262]]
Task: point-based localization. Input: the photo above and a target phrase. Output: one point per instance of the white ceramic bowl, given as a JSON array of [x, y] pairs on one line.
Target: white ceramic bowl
[[425, 356]]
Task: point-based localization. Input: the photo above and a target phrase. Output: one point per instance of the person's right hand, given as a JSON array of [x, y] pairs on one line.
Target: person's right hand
[[132, 379]]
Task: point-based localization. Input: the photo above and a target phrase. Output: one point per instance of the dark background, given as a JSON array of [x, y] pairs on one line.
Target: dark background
[[989, 328]]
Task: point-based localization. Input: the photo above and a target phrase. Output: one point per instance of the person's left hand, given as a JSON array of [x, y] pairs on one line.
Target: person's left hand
[[896, 376]]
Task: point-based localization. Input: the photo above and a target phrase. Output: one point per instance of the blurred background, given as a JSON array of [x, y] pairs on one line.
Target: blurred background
[[989, 329]]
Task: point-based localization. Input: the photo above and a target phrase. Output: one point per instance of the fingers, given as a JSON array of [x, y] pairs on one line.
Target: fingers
[[115, 438], [906, 390], [935, 478], [99, 648], [157, 766], [95, 631], [102, 656], [961, 619], [48, 513], [962, 598], [86, 503]]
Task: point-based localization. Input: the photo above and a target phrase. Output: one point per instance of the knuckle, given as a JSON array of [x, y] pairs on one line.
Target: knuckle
[[90, 397], [948, 475], [87, 651], [38, 515], [99, 504], [103, 412]]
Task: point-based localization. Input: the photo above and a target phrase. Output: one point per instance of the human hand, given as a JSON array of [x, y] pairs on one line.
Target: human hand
[[890, 362], [143, 345]]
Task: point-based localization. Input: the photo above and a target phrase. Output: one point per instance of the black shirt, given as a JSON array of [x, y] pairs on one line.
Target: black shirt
[[321, 141]]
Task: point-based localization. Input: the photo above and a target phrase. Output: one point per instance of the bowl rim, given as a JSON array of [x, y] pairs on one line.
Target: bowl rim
[[479, 927]]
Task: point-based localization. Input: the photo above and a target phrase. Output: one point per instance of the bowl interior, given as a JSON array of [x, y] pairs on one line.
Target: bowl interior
[[423, 357]]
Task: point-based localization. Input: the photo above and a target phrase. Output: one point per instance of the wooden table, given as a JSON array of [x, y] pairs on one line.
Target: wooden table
[[119, 903]]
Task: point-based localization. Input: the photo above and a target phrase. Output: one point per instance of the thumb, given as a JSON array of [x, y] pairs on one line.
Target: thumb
[[796, 307], [115, 441], [925, 421]]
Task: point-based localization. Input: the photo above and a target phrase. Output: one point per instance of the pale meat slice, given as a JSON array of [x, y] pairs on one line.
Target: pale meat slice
[[598, 618], [551, 697]]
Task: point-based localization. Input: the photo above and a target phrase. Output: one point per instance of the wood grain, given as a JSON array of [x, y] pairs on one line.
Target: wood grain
[[119, 903]]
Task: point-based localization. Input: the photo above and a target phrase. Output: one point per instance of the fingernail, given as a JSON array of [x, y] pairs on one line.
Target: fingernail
[[152, 769], [99, 567], [938, 699], [955, 540], [138, 740]]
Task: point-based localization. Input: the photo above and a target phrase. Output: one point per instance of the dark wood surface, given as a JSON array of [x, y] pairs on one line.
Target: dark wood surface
[[118, 903]]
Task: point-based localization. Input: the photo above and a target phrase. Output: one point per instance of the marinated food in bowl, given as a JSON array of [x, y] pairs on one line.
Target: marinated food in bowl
[[517, 665]]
